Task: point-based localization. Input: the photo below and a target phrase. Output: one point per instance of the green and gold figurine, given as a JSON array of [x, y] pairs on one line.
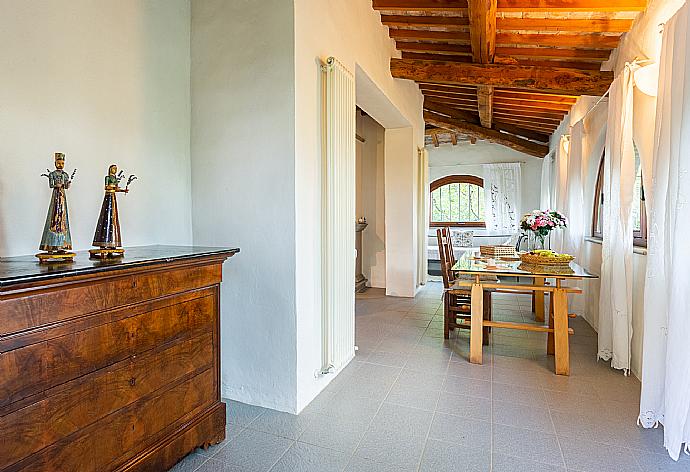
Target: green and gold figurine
[[107, 236], [56, 240]]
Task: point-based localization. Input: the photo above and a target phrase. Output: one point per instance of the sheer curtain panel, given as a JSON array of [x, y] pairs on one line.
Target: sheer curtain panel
[[666, 346], [503, 196], [615, 298]]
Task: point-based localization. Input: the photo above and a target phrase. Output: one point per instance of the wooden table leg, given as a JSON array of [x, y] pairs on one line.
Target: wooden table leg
[[476, 323], [539, 300], [549, 338], [560, 325]]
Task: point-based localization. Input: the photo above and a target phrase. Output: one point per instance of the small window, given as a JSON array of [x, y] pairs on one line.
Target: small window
[[639, 212], [457, 200]]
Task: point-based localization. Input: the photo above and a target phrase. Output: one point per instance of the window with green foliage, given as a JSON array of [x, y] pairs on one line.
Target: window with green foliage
[[457, 200], [639, 212]]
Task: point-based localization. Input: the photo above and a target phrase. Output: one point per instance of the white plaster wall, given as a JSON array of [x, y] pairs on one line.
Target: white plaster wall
[[351, 31], [243, 179], [371, 199], [467, 158], [401, 247], [103, 82]]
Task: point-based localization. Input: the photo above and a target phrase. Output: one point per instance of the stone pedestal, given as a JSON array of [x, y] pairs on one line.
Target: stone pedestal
[[360, 280]]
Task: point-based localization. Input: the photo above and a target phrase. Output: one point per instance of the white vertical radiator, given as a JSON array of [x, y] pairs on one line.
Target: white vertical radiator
[[338, 213]]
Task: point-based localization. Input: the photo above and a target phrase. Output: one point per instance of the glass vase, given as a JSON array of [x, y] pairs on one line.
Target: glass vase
[[536, 242]]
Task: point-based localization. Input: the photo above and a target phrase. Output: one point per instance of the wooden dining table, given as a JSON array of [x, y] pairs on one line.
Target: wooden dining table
[[471, 264]]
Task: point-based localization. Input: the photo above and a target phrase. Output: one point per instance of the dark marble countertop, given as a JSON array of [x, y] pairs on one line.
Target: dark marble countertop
[[26, 269]]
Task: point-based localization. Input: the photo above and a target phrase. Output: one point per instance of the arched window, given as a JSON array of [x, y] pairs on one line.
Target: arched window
[[639, 210], [457, 200]]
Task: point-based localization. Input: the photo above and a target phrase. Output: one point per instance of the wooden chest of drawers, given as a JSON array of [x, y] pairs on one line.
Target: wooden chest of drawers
[[110, 366]]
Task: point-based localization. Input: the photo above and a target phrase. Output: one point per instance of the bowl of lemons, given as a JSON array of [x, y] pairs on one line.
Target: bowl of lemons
[[546, 257]]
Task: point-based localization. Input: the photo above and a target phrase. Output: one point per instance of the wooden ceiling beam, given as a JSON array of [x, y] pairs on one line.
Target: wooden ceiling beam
[[541, 128], [552, 52], [506, 103], [463, 95], [531, 95], [525, 133], [572, 5], [590, 25], [449, 6], [452, 37], [583, 64], [527, 115], [459, 49], [556, 80], [550, 62], [434, 137], [451, 112], [454, 139], [482, 15], [528, 119], [411, 22], [437, 57], [485, 104], [586, 41], [530, 112], [479, 132]]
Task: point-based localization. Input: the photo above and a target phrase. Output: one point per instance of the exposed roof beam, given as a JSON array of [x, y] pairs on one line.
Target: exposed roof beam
[[590, 25], [434, 137], [485, 94], [421, 5], [461, 49], [571, 5], [556, 80], [479, 132], [551, 52], [409, 21], [594, 41], [482, 15], [452, 112], [549, 62], [458, 37], [587, 41], [525, 133], [454, 139]]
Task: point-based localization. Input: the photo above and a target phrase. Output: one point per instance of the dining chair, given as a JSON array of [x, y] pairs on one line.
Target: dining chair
[[457, 302]]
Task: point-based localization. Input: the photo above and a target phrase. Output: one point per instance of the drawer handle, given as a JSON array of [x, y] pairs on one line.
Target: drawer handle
[[134, 284], [132, 382]]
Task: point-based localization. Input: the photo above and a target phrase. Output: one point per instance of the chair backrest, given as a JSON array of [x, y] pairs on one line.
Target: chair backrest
[[450, 254], [443, 243]]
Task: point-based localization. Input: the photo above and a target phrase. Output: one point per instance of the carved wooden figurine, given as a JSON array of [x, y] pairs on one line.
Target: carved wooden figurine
[[56, 240], [107, 236]]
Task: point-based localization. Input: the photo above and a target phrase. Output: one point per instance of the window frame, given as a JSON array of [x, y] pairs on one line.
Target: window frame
[[639, 237], [455, 179]]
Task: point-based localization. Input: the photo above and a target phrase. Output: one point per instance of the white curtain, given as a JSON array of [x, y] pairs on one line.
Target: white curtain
[[422, 216], [546, 202], [615, 297], [503, 196], [666, 346], [560, 196]]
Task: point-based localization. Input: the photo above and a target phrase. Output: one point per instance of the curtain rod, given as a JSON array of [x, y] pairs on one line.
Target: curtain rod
[[636, 62]]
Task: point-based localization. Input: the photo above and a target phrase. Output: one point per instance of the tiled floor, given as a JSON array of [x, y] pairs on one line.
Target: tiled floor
[[410, 401]]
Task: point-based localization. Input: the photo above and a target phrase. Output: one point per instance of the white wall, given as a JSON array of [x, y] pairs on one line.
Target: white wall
[[352, 32], [103, 82], [466, 158], [371, 199], [243, 175]]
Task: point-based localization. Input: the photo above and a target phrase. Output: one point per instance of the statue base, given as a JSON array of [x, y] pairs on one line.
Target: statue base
[[55, 257], [106, 253]]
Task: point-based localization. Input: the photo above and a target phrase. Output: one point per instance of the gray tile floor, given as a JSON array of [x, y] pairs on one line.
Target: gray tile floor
[[410, 401]]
